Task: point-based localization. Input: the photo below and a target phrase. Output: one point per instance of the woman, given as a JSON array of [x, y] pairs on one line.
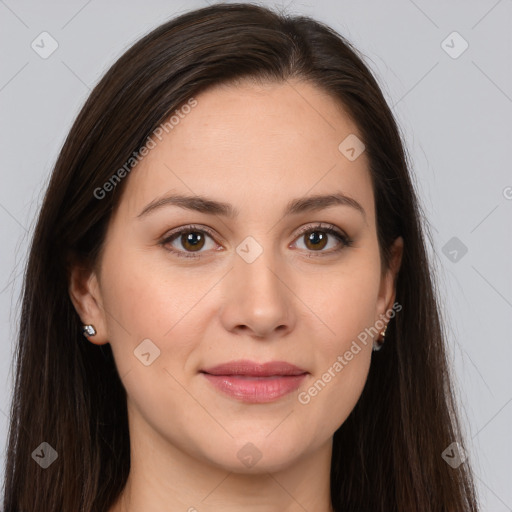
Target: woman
[[232, 225]]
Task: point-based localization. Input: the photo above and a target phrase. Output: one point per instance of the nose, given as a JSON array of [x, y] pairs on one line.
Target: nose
[[258, 302]]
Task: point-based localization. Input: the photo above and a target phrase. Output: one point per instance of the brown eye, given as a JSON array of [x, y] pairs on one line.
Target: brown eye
[[188, 242], [316, 240], [192, 241], [320, 237]]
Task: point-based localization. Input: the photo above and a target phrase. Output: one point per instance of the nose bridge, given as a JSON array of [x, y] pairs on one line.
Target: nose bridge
[[259, 276], [256, 296]]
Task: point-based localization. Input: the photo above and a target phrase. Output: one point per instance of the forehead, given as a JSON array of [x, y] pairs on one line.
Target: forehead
[[253, 145]]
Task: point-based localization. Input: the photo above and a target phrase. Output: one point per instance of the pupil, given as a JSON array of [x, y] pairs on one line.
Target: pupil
[[317, 237], [193, 239]]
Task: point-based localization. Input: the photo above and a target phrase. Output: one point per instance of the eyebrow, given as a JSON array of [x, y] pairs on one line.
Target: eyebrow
[[209, 206]]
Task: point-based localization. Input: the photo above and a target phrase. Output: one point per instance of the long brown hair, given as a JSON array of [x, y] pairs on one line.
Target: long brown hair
[[387, 456]]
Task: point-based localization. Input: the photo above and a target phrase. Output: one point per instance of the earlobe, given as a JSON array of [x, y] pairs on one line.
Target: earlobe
[[84, 292]]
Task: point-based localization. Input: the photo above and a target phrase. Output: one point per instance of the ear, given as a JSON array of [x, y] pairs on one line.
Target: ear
[[387, 290], [85, 294]]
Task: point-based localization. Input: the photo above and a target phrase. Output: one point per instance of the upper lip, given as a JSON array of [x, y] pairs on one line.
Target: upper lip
[[253, 369]]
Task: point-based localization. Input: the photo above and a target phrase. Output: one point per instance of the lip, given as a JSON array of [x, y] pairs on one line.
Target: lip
[[252, 382]]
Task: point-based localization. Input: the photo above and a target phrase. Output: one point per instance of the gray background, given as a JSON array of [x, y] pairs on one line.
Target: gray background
[[455, 114]]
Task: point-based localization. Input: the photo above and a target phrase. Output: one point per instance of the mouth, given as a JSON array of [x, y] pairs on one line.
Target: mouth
[[252, 382]]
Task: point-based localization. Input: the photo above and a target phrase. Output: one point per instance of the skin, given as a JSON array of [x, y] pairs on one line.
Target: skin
[[255, 147]]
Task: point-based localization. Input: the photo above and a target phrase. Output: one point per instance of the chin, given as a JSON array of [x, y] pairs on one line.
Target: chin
[[255, 455]]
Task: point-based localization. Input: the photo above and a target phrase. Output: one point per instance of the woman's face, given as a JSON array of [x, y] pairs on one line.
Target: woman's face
[[243, 283]]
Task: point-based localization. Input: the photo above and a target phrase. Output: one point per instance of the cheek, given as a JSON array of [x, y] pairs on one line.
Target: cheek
[[147, 301], [346, 306], [344, 301], [332, 394], [144, 301], [148, 297], [342, 362]]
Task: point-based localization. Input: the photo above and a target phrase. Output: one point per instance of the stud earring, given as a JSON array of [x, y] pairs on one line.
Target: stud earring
[[377, 345], [88, 330]]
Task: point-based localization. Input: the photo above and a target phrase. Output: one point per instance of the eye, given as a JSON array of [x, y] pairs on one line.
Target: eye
[[317, 237], [191, 239]]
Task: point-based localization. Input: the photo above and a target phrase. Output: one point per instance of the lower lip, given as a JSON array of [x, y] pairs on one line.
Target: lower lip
[[255, 389]]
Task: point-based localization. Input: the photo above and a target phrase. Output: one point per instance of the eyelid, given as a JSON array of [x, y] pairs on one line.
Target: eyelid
[[320, 226], [331, 229], [169, 236], [190, 227]]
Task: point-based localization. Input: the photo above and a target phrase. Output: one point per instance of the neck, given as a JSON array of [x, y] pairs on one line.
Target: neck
[[163, 477]]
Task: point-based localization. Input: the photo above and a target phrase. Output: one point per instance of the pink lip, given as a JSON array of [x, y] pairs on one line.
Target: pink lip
[[252, 382]]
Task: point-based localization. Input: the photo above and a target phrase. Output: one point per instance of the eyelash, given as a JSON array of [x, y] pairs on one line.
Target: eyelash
[[329, 228]]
